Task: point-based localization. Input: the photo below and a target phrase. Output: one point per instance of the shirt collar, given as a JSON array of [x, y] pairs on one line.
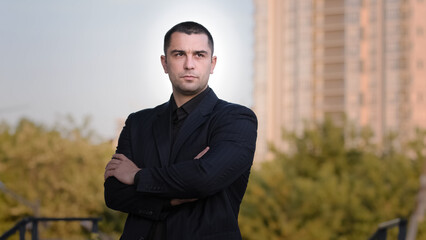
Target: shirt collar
[[189, 106]]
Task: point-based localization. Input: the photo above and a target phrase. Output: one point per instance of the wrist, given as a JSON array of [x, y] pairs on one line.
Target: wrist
[[137, 177]]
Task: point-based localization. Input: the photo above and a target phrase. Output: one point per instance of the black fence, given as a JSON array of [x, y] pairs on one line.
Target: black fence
[[33, 222], [381, 232]]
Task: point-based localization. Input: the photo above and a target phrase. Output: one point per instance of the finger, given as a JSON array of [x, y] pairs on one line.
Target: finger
[[108, 174], [118, 156], [202, 153], [112, 167], [108, 164], [176, 201], [112, 164]]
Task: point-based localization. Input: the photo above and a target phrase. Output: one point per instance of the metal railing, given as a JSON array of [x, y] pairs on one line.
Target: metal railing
[[381, 232], [21, 226]]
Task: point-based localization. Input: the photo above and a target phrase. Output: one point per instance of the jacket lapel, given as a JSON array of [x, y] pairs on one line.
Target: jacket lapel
[[161, 132], [193, 121]]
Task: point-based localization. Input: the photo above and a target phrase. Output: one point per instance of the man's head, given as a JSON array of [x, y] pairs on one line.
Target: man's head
[[188, 59], [188, 28]]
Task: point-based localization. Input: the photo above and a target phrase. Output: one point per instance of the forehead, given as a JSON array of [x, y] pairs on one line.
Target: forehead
[[189, 42]]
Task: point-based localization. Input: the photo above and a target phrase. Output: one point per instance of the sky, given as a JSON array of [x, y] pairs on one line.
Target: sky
[[101, 58]]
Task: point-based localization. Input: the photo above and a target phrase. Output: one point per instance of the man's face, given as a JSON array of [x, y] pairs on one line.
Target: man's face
[[189, 63]]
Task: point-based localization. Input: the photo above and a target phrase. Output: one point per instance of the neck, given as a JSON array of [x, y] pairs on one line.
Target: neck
[[181, 99]]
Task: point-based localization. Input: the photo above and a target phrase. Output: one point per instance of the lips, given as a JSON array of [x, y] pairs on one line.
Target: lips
[[189, 77]]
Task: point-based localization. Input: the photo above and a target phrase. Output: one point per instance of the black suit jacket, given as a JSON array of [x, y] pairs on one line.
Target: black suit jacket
[[218, 179]]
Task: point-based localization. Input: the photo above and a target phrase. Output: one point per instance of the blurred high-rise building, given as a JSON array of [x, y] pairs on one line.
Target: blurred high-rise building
[[363, 60]]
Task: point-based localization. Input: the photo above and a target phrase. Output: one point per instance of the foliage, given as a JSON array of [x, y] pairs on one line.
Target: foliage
[[333, 185], [60, 170]]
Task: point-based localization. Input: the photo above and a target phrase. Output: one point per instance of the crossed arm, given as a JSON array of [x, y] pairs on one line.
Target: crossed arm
[[125, 170]]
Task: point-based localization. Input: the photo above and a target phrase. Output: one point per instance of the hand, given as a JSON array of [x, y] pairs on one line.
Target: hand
[[202, 153], [122, 168], [176, 202]]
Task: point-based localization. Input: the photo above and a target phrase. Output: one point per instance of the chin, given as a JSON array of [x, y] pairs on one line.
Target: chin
[[190, 92]]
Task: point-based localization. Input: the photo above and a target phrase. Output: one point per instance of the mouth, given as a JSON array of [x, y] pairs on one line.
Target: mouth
[[189, 77]]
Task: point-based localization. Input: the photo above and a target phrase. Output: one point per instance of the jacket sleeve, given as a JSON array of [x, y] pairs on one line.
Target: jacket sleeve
[[125, 198], [232, 145]]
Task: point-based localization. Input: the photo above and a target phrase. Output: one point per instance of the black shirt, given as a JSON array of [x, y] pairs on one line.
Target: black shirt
[[178, 116]]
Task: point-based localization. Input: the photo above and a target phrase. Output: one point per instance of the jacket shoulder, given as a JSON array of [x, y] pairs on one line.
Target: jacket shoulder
[[147, 113], [223, 106]]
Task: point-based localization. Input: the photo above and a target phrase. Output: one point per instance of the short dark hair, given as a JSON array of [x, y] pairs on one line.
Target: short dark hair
[[188, 28]]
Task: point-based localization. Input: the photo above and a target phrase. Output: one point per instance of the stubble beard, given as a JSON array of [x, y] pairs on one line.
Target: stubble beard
[[189, 92]]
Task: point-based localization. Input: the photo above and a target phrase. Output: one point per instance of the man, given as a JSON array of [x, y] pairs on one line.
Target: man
[[181, 169]]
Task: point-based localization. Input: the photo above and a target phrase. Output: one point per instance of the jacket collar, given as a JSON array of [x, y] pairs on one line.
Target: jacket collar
[[162, 127]]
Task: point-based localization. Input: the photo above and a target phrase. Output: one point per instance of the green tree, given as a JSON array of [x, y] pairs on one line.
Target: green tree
[[61, 169], [331, 185]]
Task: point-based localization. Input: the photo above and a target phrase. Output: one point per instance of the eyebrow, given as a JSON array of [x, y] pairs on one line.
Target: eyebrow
[[176, 51], [202, 51], [182, 51]]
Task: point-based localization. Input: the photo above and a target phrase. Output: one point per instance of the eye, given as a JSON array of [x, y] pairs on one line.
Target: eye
[[178, 53], [200, 55]]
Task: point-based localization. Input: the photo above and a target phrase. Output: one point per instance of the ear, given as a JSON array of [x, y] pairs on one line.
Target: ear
[[213, 65], [164, 63]]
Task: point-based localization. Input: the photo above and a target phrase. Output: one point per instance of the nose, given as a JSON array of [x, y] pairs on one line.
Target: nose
[[189, 63]]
